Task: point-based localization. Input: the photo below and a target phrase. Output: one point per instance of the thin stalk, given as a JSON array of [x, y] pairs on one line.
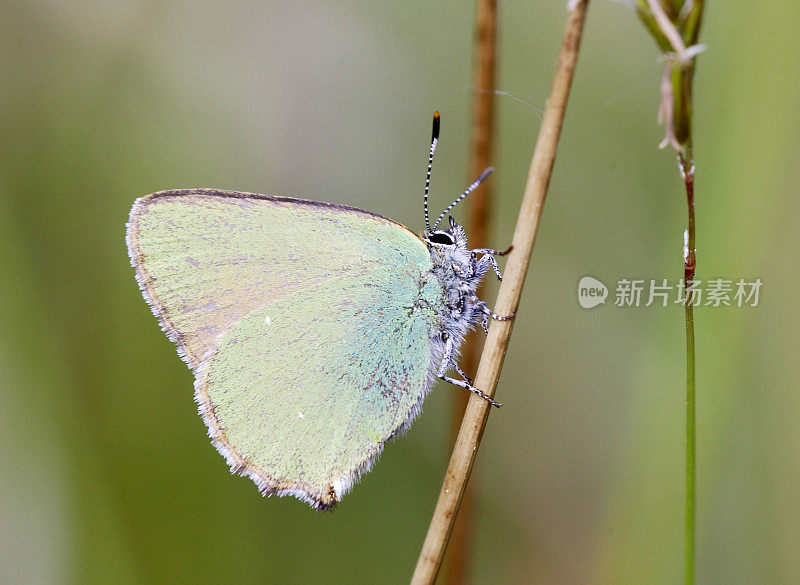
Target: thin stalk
[[689, 264], [457, 561], [494, 350], [675, 26]]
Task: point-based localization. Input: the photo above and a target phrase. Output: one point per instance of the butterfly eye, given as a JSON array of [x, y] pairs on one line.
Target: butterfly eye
[[442, 238]]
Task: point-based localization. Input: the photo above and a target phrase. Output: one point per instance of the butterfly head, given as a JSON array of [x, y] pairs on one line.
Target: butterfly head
[[452, 238]]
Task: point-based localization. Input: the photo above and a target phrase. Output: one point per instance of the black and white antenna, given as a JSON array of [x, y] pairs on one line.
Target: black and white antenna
[[486, 172], [434, 142]]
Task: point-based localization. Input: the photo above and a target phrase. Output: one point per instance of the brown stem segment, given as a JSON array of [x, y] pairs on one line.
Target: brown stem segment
[[494, 350], [457, 561], [690, 262]]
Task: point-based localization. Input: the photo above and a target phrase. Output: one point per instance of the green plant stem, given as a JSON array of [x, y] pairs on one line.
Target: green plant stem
[[689, 545], [676, 31], [689, 264]]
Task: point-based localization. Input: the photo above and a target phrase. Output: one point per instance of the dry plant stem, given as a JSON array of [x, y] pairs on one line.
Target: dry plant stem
[[494, 350], [457, 561]]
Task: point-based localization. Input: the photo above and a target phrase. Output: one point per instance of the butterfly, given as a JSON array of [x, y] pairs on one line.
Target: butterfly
[[314, 330]]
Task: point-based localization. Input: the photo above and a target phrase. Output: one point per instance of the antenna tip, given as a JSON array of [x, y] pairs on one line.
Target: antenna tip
[[436, 119], [486, 172]]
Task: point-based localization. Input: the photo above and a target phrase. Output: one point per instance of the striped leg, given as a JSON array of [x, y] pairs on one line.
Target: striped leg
[[447, 362], [486, 311]]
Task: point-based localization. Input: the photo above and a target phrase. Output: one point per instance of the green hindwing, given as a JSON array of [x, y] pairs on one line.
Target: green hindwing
[[307, 325]]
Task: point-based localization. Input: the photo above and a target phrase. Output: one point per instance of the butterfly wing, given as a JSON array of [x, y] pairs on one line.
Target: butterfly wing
[[307, 326]]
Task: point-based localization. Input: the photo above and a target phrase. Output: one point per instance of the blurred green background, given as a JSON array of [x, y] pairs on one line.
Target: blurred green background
[[106, 472]]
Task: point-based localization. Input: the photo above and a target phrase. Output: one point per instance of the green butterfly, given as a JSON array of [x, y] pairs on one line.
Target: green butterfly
[[314, 330]]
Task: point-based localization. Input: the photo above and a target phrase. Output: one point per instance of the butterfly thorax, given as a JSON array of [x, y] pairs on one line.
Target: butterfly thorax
[[455, 267]]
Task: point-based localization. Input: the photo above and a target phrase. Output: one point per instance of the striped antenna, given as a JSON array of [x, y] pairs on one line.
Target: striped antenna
[[486, 172], [434, 142]]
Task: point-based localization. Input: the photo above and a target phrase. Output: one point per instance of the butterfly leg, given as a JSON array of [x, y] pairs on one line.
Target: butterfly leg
[[473, 389], [489, 313], [447, 362], [462, 373], [492, 251], [485, 322], [483, 265]]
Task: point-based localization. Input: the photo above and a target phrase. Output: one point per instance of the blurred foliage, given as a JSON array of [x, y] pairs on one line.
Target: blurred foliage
[[106, 473]]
